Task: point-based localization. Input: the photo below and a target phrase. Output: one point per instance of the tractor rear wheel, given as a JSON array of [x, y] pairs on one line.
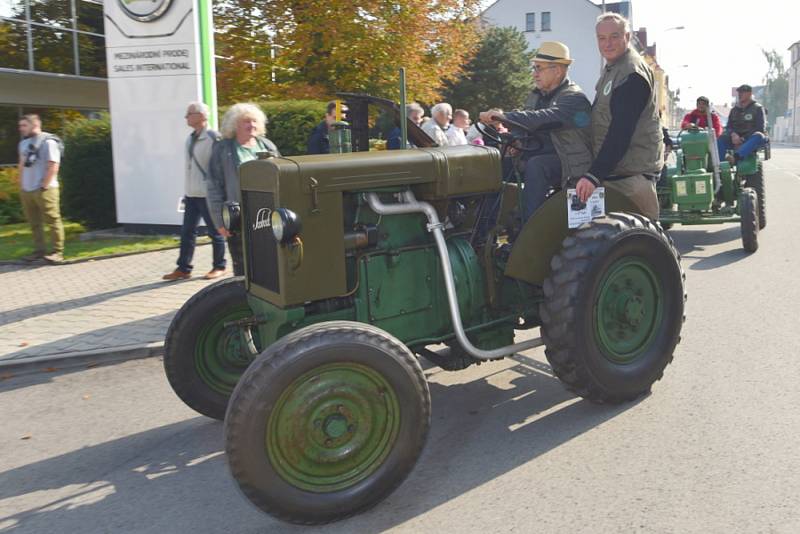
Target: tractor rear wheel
[[327, 422], [204, 358], [748, 210], [756, 182], [613, 308]]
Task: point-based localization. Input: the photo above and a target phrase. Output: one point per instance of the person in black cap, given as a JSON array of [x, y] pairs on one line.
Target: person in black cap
[[745, 131]]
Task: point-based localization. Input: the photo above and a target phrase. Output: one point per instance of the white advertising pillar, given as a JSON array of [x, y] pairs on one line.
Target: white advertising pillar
[[160, 57]]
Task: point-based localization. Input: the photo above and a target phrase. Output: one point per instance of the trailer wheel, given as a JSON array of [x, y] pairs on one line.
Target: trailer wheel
[[613, 308], [327, 422]]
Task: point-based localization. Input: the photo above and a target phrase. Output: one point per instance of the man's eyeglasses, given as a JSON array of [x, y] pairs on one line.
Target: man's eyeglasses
[[191, 113], [539, 68]]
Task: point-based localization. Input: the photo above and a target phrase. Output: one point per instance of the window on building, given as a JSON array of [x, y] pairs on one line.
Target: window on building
[[545, 21], [59, 36], [530, 22]]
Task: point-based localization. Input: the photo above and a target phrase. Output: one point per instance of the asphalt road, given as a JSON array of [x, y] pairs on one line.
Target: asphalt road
[[713, 449]]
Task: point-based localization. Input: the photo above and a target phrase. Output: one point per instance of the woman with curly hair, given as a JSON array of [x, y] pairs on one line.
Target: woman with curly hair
[[243, 129]]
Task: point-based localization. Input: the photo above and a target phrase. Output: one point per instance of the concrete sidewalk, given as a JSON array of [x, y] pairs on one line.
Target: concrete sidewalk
[[97, 310]]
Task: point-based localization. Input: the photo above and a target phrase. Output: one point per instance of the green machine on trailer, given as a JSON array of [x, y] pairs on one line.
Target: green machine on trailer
[[358, 264], [701, 189]]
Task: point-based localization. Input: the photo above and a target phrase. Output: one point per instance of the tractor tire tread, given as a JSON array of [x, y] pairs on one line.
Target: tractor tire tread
[[182, 321], [558, 314], [248, 388]]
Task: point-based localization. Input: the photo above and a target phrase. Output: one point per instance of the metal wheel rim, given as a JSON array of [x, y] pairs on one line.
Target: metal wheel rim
[[220, 353], [332, 427], [627, 311]]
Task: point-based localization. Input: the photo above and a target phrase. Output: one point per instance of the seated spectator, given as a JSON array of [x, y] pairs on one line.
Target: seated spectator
[[437, 127], [456, 135], [699, 117], [415, 113]]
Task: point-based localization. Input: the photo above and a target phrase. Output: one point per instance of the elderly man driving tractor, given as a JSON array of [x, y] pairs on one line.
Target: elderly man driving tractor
[[559, 109]]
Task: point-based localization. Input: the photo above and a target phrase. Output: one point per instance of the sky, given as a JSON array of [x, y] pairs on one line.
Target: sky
[[721, 42]]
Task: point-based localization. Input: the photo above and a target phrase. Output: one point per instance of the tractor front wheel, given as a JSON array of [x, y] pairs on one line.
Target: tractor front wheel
[[327, 422], [613, 308], [748, 210], [204, 354]]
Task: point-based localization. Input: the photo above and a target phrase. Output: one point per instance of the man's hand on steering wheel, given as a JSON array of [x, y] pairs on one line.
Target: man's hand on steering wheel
[[488, 117]]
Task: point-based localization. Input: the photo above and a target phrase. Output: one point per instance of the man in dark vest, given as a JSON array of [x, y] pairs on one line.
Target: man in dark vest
[[744, 132], [559, 109], [627, 141]]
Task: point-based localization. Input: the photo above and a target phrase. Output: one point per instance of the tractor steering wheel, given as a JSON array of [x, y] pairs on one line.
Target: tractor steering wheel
[[528, 142]]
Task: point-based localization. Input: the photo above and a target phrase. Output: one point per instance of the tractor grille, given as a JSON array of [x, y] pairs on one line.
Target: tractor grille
[[262, 249]]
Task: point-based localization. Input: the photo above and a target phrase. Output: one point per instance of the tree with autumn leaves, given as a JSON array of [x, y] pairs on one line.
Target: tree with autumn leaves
[[313, 48]]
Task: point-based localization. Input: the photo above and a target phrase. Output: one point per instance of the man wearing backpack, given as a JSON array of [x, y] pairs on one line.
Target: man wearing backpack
[[39, 160], [198, 154]]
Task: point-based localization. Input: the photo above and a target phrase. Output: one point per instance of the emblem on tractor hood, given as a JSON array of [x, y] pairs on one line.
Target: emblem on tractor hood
[[262, 219], [144, 10]]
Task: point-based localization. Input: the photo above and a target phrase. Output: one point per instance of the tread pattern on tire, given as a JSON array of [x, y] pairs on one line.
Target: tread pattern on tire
[[180, 322], [748, 210], [248, 387], [756, 182], [558, 315]]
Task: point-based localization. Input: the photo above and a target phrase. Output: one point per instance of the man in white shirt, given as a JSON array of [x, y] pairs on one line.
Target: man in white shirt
[[437, 126], [39, 161], [457, 133], [198, 155]]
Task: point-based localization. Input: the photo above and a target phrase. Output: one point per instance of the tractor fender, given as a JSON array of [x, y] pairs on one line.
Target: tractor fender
[[542, 235]]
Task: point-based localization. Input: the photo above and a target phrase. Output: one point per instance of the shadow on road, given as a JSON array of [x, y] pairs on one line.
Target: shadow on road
[[174, 479], [689, 240]]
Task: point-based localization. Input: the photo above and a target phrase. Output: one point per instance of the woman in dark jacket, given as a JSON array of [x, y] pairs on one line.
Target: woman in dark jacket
[[243, 129]]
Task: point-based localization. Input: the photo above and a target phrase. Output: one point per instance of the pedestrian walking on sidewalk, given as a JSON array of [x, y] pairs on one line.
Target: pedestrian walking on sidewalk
[[39, 161], [198, 156], [243, 130]]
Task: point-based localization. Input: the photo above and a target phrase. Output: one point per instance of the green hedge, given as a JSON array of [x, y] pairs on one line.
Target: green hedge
[[291, 122], [87, 173], [10, 205]]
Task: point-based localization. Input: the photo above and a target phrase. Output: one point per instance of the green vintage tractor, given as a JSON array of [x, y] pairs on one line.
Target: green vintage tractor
[[701, 189], [359, 264]]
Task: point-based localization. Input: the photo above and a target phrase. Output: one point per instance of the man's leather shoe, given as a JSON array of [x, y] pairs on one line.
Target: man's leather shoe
[[176, 275], [214, 273]]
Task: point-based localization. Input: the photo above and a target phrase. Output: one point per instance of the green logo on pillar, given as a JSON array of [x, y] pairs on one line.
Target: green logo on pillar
[[144, 10]]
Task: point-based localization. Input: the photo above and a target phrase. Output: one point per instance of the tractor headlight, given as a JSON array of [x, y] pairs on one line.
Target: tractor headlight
[[231, 212], [285, 225]]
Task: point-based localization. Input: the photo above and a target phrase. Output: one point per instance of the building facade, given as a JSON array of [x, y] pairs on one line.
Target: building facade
[[569, 21], [52, 56], [792, 124]]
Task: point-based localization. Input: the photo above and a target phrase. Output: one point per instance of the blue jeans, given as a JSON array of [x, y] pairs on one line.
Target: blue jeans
[[541, 173], [196, 208], [753, 143]]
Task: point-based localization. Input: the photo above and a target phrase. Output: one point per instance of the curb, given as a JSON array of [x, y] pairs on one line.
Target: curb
[[90, 358]]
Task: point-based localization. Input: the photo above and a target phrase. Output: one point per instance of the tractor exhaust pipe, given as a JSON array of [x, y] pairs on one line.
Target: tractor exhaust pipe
[[713, 149], [410, 204]]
